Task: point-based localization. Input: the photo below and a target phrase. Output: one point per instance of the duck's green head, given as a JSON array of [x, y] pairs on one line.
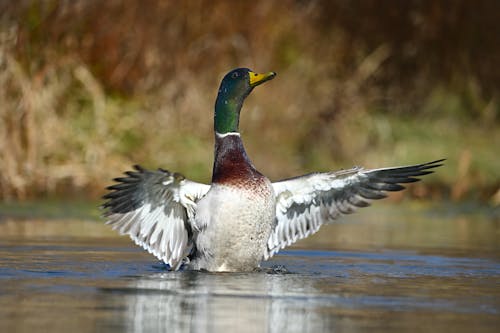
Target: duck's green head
[[235, 87]]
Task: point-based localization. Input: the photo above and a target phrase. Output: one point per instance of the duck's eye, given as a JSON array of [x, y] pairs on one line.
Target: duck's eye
[[234, 75]]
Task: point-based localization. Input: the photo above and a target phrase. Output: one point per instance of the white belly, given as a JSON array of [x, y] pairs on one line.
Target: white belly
[[234, 227]]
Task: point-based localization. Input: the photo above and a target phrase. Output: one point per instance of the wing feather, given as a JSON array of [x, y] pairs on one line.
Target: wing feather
[[305, 203], [156, 209]]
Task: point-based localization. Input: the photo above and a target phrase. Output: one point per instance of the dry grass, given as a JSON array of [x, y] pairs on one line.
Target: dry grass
[[91, 87]]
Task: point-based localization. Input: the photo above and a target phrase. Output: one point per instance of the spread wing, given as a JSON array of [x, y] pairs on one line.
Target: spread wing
[[305, 203], [156, 209]]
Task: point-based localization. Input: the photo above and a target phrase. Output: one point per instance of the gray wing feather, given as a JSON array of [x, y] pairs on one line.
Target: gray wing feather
[[156, 209], [305, 203]]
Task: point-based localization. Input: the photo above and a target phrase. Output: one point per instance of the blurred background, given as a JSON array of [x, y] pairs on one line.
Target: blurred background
[[89, 88]]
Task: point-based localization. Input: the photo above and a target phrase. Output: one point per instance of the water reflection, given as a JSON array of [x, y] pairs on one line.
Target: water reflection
[[200, 302]]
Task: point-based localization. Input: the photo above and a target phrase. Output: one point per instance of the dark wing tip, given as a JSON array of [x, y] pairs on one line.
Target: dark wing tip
[[390, 179], [139, 168], [137, 187], [424, 167], [433, 164], [123, 195]]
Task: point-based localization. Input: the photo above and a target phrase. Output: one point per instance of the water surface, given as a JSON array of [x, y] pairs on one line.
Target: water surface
[[384, 271]]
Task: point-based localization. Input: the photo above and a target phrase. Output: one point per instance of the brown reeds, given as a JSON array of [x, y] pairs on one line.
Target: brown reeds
[[90, 87]]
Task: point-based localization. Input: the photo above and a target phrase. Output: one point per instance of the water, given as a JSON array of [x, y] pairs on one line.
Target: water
[[382, 271]]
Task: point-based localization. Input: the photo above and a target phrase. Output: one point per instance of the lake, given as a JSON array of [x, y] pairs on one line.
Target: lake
[[390, 268]]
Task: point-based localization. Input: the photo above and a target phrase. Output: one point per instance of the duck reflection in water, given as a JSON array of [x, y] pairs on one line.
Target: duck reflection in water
[[239, 302]]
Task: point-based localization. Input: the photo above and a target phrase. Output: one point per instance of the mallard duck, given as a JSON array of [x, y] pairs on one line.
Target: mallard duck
[[242, 218]]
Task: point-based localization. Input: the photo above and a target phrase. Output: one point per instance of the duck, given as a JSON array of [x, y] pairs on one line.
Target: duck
[[241, 218]]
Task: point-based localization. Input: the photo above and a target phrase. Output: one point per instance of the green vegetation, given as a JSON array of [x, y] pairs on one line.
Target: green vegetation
[[51, 210], [90, 88]]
